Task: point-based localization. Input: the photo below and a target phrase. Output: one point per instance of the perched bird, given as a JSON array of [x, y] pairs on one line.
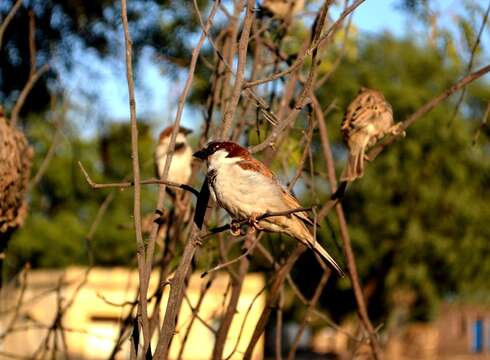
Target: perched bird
[[367, 119], [283, 8], [246, 189], [180, 169]]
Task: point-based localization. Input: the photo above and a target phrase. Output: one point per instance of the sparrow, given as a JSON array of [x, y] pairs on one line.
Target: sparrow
[[180, 168], [368, 118], [283, 8], [246, 189]]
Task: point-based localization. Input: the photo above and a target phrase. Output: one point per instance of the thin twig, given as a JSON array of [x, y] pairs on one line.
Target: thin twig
[[308, 136], [229, 50], [204, 289], [470, 63], [236, 289], [265, 215], [126, 184], [300, 296], [8, 19], [177, 287], [168, 326], [19, 303], [483, 123], [242, 326], [34, 74], [278, 332], [58, 124], [140, 254], [195, 315], [341, 55], [349, 253], [25, 92], [303, 98], [272, 298], [232, 261], [428, 106], [32, 42], [316, 296], [300, 60], [240, 72]]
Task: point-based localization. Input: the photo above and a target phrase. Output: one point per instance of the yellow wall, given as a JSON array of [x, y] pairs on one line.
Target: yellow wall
[[92, 323]]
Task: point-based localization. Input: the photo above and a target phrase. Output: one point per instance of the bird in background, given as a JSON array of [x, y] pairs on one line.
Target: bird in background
[[368, 118], [283, 8], [179, 172], [180, 168], [246, 189]]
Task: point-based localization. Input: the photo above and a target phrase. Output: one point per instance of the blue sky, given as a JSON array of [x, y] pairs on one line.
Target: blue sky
[[157, 93]]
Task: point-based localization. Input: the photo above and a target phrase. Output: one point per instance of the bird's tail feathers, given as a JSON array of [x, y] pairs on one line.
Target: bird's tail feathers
[[317, 248], [355, 165]]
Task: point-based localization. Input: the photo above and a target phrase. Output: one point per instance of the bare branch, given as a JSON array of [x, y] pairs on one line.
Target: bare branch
[[483, 123], [470, 63], [303, 98], [344, 233], [261, 217], [34, 74], [142, 270], [272, 298], [242, 60], [177, 284], [127, 184], [236, 288], [204, 289], [316, 296], [59, 119], [8, 19], [25, 92], [278, 331], [19, 303], [428, 106], [231, 262], [315, 45], [32, 42]]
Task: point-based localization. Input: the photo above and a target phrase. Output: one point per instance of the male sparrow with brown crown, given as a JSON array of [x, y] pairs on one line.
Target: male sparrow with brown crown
[[367, 119], [180, 169], [246, 189]]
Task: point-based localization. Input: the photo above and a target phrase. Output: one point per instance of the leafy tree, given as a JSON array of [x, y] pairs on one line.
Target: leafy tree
[[67, 30], [63, 205], [417, 217]]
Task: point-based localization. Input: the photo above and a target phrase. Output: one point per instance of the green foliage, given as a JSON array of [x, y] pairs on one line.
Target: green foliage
[[63, 206], [418, 216], [66, 30]]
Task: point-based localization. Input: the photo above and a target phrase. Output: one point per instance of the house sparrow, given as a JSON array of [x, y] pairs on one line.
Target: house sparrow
[[283, 8], [246, 189], [367, 119], [180, 169]]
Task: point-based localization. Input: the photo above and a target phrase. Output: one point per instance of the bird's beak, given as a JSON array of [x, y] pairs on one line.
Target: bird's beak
[[201, 154], [185, 130]]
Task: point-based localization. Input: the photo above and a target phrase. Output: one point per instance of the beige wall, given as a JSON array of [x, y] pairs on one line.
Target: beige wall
[[93, 324]]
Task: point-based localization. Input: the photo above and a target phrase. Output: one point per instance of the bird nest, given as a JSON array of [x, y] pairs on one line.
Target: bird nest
[[15, 167]]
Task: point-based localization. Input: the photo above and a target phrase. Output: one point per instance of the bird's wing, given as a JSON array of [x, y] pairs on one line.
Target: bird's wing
[[256, 165], [292, 203], [289, 201]]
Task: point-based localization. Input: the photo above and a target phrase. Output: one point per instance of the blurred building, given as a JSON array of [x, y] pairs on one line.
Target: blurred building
[[103, 299]]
